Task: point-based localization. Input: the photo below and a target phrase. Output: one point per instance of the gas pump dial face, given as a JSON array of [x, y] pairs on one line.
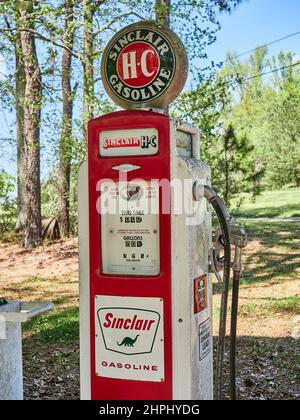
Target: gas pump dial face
[[130, 228]]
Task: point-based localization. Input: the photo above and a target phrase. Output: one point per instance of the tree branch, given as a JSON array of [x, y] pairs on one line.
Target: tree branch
[[45, 39], [124, 15]]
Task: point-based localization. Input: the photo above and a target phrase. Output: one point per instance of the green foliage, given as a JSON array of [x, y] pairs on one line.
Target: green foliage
[[230, 155], [267, 111], [196, 21], [281, 136], [7, 203], [6, 186], [235, 168], [250, 131]]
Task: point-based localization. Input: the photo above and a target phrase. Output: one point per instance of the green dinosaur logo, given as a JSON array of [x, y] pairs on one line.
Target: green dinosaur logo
[[128, 342], [128, 331]]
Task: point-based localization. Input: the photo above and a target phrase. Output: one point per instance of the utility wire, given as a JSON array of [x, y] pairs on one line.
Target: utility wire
[[266, 45], [242, 81], [268, 72], [255, 49]]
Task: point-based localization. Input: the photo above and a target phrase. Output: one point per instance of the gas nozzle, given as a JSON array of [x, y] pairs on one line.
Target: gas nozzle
[[204, 191], [229, 234], [239, 239], [239, 236]]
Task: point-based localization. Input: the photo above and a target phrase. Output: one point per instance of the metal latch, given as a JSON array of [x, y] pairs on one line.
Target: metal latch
[[238, 238]]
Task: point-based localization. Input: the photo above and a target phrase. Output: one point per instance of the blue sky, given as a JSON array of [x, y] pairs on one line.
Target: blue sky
[[254, 23], [258, 22]]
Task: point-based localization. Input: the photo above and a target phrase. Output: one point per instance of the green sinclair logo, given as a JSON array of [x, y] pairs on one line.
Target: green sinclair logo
[[128, 331], [128, 342]]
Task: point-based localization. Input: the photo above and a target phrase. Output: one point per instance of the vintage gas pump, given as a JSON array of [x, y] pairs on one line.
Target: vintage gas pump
[[145, 234]]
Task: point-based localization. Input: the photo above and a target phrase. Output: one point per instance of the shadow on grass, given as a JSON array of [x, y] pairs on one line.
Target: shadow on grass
[[290, 210], [271, 266], [278, 257], [274, 234], [280, 254]]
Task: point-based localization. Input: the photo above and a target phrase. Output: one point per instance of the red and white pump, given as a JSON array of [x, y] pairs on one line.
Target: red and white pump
[[146, 246]]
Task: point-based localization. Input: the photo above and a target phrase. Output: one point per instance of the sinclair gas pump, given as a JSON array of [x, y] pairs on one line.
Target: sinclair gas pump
[[146, 242]]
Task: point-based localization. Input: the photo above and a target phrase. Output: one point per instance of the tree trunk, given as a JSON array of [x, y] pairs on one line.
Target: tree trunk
[[163, 11], [65, 149], [163, 14], [20, 97], [88, 61], [32, 118]]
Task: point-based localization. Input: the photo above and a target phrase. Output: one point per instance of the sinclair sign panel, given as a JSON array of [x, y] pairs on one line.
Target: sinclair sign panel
[[129, 338], [144, 66], [136, 142]]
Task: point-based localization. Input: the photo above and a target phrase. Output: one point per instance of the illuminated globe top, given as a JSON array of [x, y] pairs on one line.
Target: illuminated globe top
[[145, 65]]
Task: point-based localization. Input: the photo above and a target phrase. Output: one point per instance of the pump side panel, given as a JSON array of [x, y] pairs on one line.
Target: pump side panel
[[116, 286], [191, 240], [84, 270]]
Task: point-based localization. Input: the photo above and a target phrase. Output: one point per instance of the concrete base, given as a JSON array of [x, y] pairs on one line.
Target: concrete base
[[12, 315], [11, 372]]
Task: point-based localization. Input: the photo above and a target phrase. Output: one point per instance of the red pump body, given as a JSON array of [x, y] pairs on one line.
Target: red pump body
[[158, 286]]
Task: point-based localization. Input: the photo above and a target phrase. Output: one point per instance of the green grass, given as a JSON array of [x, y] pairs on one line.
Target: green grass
[[267, 306], [279, 204], [289, 304], [9, 237], [280, 257], [57, 327]]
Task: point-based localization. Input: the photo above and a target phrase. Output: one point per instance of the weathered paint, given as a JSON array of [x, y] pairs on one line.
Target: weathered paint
[[11, 370]]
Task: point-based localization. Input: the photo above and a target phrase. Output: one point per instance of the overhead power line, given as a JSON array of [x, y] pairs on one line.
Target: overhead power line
[[266, 45], [246, 79], [270, 72], [276, 41]]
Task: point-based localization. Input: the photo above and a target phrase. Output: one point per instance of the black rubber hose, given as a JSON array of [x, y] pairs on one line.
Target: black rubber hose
[[221, 212], [233, 333]]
